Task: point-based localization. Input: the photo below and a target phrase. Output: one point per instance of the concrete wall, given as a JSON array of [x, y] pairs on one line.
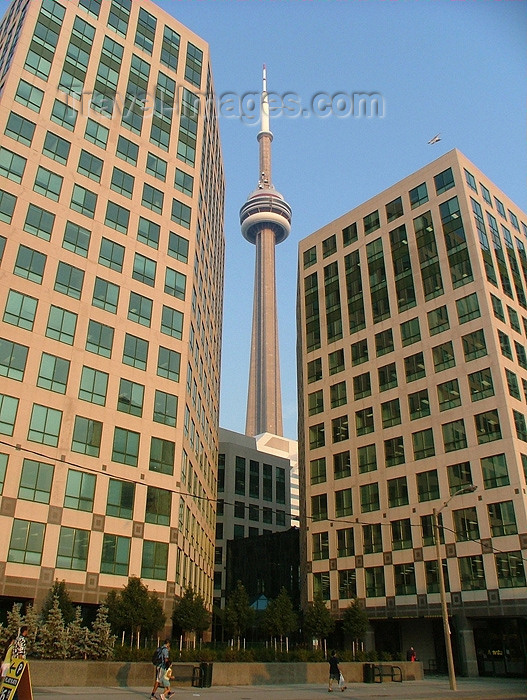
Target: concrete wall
[[115, 673]]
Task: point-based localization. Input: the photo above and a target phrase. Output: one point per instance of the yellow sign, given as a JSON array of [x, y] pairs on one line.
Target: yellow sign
[[17, 679]]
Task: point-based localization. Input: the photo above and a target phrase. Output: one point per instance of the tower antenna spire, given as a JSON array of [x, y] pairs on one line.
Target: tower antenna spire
[[265, 220]]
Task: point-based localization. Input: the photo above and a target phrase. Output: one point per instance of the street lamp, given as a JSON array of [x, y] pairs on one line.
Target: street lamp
[[470, 488]]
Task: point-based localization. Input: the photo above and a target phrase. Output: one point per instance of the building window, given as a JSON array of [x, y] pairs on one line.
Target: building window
[[184, 182], [140, 309], [488, 426], [130, 399], [427, 485], [125, 447], [459, 476], [349, 234], [158, 506], [178, 247], [454, 435], [35, 481], [369, 498], [502, 519], [418, 195], [340, 429], [384, 342], [319, 507], [397, 492], [155, 560], [372, 538], [474, 345], [316, 436], [423, 444], [11, 165], [367, 458], [374, 578], [359, 353], [135, 351], [472, 573], [44, 426], [157, 167], [93, 386], [111, 255], [144, 270], [361, 388], [466, 524], [321, 585], [69, 280], [20, 129], [168, 364], [73, 549], [345, 542], [29, 95], [90, 166], [86, 436], [27, 542], [336, 362], [419, 404], [438, 320], [115, 557], [172, 322], [96, 133], [347, 584], [53, 373], [410, 332], [391, 413], [401, 534], [61, 325], [494, 470], [7, 206], [127, 150], [39, 222], [414, 367], [510, 570], [468, 308], [387, 377], [153, 199], [105, 295], [181, 213], [64, 115], [162, 455], [371, 222], [80, 491], [448, 395], [444, 181], [77, 239], [20, 310], [99, 339], [117, 217], [394, 451], [443, 356], [13, 359], [320, 544], [343, 503], [329, 246], [341, 465], [120, 501], [480, 384], [404, 578], [148, 232], [165, 408], [84, 201], [30, 264]]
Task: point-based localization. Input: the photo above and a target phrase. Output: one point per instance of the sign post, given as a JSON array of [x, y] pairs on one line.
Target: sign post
[[17, 680]]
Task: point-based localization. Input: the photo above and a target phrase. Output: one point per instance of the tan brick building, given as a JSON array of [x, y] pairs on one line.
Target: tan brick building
[[111, 292], [413, 384]]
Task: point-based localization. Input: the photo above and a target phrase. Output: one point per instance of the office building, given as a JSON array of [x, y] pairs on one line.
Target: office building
[[412, 329], [111, 209]]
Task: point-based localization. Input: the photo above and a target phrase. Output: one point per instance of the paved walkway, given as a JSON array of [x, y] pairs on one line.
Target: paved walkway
[[436, 688]]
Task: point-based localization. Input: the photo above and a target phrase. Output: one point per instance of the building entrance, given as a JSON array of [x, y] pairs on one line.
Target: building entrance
[[501, 646]]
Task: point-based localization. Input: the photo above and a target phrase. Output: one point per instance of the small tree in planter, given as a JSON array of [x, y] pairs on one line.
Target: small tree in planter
[[100, 639], [77, 637], [280, 619], [190, 614], [52, 641], [135, 609], [318, 622], [238, 614], [355, 624], [58, 590]]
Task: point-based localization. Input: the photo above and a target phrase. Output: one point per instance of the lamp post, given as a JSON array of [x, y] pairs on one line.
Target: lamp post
[[444, 611]]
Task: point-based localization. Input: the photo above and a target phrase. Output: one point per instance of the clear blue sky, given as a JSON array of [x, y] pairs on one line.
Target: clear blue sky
[[452, 66]]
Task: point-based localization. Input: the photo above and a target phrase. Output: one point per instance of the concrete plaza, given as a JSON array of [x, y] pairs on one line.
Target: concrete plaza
[[436, 688]]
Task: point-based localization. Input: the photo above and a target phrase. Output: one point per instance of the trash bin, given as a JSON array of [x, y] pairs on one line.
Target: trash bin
[[206, 674], [368, 672]]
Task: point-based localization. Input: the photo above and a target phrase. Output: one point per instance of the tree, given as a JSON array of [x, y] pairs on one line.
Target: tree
[[238, 613], [190, 613], [52, 642], [355, 621], [135, 609], [279, 618], [32, 622], [59, 590], [318, 622], [101, 640], [77, 637]]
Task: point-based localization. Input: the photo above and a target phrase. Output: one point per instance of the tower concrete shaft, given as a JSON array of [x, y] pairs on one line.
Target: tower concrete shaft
[[265, 221]]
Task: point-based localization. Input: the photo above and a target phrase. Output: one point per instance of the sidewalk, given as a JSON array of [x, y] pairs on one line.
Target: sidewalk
[[436, 688]]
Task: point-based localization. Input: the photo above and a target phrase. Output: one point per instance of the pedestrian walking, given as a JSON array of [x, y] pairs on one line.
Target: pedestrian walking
[[162, 665], [335, 672], [166, 684], [411, 655], [19, 647]]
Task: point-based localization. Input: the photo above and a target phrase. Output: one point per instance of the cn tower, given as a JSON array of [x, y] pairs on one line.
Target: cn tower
[[265, 220]]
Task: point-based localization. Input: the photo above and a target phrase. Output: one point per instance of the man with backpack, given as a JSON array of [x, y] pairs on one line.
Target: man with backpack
[[161, 660]]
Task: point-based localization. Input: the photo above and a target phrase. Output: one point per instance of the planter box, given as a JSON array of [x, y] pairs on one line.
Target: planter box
[[46, 673]]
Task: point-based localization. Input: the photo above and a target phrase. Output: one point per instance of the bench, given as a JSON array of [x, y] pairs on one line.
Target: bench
[[381, 671]]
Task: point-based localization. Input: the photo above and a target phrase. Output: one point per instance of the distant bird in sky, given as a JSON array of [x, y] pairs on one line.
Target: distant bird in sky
[[436, 138]]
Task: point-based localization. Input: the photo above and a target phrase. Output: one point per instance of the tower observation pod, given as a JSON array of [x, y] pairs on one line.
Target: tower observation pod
[[265, 220]]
